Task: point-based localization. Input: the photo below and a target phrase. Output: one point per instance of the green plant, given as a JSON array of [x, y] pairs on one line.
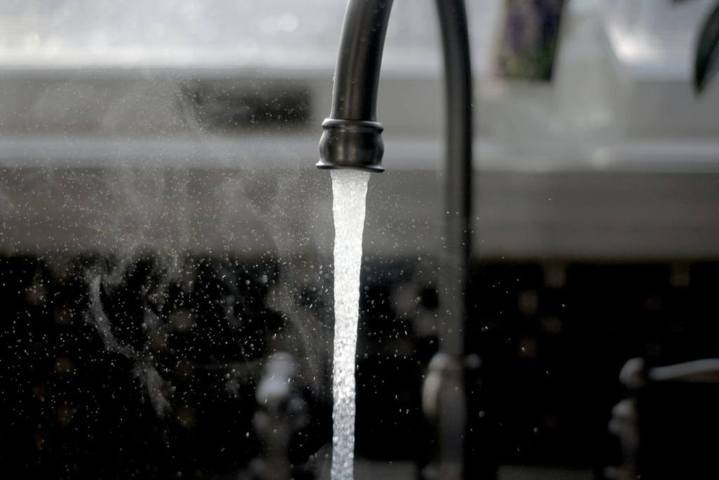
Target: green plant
[[706, 60]]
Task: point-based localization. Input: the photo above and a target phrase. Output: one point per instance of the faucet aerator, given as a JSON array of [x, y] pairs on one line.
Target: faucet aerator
[[354, 144]]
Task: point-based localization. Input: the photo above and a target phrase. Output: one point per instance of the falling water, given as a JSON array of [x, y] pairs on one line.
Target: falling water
[[349, 189]]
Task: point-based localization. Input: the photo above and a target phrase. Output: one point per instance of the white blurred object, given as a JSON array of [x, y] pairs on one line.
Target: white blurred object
[[653, 47], [211, 32], [655, 37]]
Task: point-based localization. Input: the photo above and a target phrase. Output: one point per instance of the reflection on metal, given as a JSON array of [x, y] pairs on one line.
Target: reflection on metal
[[444, 404], [281, 412], [652, 425]]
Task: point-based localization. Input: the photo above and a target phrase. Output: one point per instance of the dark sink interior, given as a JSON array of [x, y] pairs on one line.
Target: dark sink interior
[[148, 368]]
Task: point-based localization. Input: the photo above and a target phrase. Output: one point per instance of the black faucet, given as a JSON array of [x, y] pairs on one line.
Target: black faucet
[[352, 138]]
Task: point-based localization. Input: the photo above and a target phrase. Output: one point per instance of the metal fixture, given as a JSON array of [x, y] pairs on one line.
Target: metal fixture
[[282, 411], [352, 138]]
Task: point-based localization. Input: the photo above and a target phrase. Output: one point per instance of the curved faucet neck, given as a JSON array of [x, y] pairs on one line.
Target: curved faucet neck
[[354, 95], [352, 136]]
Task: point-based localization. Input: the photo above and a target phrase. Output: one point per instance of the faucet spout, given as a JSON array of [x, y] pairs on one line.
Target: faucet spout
[[352, 135], [352, 138]]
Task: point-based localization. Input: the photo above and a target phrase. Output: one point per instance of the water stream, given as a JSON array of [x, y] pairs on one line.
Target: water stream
[[349, 189]]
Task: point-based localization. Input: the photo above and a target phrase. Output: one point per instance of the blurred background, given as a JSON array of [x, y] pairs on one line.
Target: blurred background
[[165, 241]]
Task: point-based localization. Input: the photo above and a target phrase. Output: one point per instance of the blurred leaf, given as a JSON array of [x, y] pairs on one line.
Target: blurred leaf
[[706, 62]]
